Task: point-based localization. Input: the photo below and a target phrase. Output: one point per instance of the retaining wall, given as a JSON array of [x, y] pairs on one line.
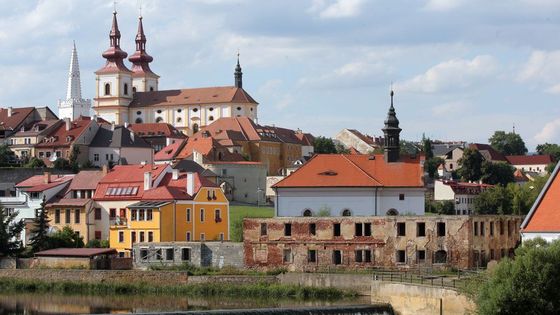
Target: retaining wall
[[356, 282]]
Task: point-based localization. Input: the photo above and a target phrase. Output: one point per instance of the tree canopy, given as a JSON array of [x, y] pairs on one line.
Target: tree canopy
[[495, 173], [35, 163], [549, 148], [39, 237], [6, 155], [10, 230], [470, 165], [324, 145], [66, 238], [508, 143], [510, 199]]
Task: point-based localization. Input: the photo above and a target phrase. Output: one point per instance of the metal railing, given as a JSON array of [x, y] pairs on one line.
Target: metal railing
[[452, 280]]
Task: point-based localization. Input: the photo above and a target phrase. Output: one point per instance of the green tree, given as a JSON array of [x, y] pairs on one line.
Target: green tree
[[431, 166], [6, 155], [549, 148], [444, 207], [494, 200], [427, 148], [508, 143], [97, 244], [527, 285], [495, 173], [550, 167], [39, 237], [67, 238], [10, 231], [61, 164], [470, 165], [73, 160], [35, 163], [324, 145]]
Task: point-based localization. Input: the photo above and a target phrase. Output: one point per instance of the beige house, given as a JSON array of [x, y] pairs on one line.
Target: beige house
[[23, 142]]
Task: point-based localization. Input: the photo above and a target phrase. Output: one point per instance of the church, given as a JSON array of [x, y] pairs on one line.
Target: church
[[126, 95]]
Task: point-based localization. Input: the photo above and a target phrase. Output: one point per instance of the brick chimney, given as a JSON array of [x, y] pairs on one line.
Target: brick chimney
[[46, 177], [190, 183]]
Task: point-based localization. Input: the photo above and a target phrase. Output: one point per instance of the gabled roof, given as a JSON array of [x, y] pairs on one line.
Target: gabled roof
[[170, 152], [209, 148], [306, 139], [544, 215], [193, 167], [529, 159], [346, 170], [441, 149], [366, 138], [465, 188], [156, 129], [120, 137], [207, 95], [37, 128], [59, 136], [14, 121], [519, 176], [76, 252], [86, 180], [488, 152], [37, 183]]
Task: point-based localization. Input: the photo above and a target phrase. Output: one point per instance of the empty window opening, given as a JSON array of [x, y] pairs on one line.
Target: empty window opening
[[287, 255], [491, 228], [288, 229], [337, 257], [401, 228], [420, 229], [186, 254], [421, 256], [312, 255], [401, 196], [475, 228], [441, 229], [312, 229], [263, 229], [346, 213], [336, 229], [440, 257], [307, 213], [401, 257], [169, 254]]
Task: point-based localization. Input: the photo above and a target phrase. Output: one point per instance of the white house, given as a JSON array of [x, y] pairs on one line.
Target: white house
[[530, 163], [352, 138], [543, 219], [119, 145], [462, 194]]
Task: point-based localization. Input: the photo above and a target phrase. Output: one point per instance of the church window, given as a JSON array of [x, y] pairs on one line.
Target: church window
[[151, 88], [211, 118], [138, 120], [211, 108], [195, 128], [133, 89], [159, 119], [195, 110], [138, 113], [107, 89], [179, 119], [179, 110], [238, 108], [159, 111], [125, 89]]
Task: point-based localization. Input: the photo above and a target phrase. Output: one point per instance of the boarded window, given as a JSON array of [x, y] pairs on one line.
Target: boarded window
[[420, 229], [401, 228], [336, 229]]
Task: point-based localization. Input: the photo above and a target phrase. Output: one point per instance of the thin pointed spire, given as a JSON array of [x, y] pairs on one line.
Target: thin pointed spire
[[114, 54], [392, 133], [140, 59], [74, 89], [73, 105], [238, 74]]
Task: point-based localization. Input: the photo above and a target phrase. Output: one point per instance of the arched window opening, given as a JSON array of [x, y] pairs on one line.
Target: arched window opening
[[440, 257], [125, 89], [138, 120], [107, 89], [392, 211], [133, 89], [159, 119], [307, 213], [151, 88], [195, 128], [346, 213], [211, 118]]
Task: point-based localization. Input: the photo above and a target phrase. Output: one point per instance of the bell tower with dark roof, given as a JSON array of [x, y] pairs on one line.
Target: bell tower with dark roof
[[238, 74], [392, 135]]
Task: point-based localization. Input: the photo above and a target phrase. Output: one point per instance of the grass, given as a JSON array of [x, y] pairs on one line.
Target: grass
[[213, 271], [260, 290], [238, 213]]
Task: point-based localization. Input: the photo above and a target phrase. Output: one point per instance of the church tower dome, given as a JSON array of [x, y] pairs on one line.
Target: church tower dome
[[143, 78], [392, 135]]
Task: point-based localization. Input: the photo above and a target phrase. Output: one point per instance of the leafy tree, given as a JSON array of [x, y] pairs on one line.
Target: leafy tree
[[73, 160], [508, 143], [341, 149], [550, 167], [61, 164], [470, 165], [88, 165], [494, 200], [97, 244], [35, 163], [10, 231], [39, 239], [408, 147], [66, 238], [527, 285], [324, 145], [550, 148], [427, 148], [431, 166], [495, 173], [6, 155], [444, 207]]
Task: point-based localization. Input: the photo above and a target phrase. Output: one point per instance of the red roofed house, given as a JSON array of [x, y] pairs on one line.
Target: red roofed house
[[158, 135], [462, 194], [489, 153], [543, 219], [364, 144], [154, 203], [168, 154], [13, 119], [530, 163]]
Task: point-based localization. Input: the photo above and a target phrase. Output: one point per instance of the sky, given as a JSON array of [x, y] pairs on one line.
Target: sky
[[460, 69]]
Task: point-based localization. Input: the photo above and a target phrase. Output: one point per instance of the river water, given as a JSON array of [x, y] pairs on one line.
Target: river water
[[95, 304]]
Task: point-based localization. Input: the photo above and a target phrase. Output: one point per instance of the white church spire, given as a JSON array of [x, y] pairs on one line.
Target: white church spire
[[74, 105]]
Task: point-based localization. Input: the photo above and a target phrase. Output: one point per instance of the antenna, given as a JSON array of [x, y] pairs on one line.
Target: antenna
[[140, 7], [114, 5]]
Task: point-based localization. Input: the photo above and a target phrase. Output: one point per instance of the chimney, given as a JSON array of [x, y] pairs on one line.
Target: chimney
[[10, 110], [46, 177], [190, 183], [67, 122], [175, 174], [147, 180], [104, 169], [131, 136], [113, 126], [126, 124], [168, 141]]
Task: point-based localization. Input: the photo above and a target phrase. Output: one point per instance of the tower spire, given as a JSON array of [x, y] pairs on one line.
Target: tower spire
[[74, 106], [238, 75], [392, 134], [114, 54], [140, 59]]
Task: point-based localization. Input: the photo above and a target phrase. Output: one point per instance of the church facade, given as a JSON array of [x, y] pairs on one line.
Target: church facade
[[132, 95]]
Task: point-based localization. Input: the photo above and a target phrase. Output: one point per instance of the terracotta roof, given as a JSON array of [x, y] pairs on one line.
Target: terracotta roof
[[37, 183], [86, 180], [341, 170], [492, 153], [466, 188], [519, 176], [170, 152], [545, 213], [14, 121], [156, 129], [207, 95], [354, 151], [306, 139], [61, 202], [211, 149], [529, 159], [58, 137], [37, 128], [76, 252]]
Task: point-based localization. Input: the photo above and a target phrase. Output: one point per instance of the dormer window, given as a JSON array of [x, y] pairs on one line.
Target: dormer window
[[107, 89], [329, 173]]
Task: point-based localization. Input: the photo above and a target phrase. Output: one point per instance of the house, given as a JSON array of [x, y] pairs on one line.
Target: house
[[462, 194], [451, 158], [488, 153], [168, 154], [76, 258], [364, 144], [74, 207], [440, 149], [30, 194], [23, 142], [158, 135], [543, 220], [403, 242], [63, 139], [118, 145], [307, 143], [190, 166], [530, 163], [154, 203], [12, 119]]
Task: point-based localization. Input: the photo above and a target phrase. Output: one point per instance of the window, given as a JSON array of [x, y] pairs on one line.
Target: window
[[141, 215], [211, 108], [336, 229], [201, 215], [158, 111], [401, 196], [169, 254], [401, 228], [337, 257], [202, 237], [185, 254], [77, 216], [509, 228], [107, 89], [121, 236], [441, 229], [144, 254], [491, 228], [492, 254], [263, 229], [363, 229], [122, 213], [159, 120], [367, 229], [359, 229], [195, 128], [188, 215], [133, 214], [287, 255], [188, 236], [401, 257], [158, 254], [482, 229], [142, 237], [133, 237], [440, 257], [150, 236], [139, 113], [34, 195], [97, 235], [392, 211], [501, 227], [312, 255], [96, 157], [67, 220], [346, 213], [475, 228], [125, 89], [307, 213], [420, 229], [238, 108], [133, 89], [112, 213], [421, 256], [57, 216], [362, 255], [138, 120], [287, 229], [149, 215], [179, 119], [151, 88], [217, 216], [48, 154], [312, 229]]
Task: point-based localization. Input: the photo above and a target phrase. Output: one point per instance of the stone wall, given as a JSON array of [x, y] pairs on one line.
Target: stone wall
[[359, 283], [8, 263]]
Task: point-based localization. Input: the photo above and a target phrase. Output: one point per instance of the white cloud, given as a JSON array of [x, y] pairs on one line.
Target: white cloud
[[451, 74], [352, 74], [451, 109], [336, 9], [549, 133], [542, 68], [443, 5]]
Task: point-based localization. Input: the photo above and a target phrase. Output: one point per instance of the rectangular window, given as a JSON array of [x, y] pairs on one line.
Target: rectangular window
[[57, 216], [509, 228], [185, 254], [421, 256], [492, 255], [112, 213], [144, 254], [312, 229], [358, 229], [420, 229], [287, 255], [401, 228], [133, 214], [287, 229], [67, 219], [141, 214], [150, 236], [169, 254], [367, 255], [501, 227], [491, 228], [221, 236], [401, 196], [149, 215], [263, 229], [48, 154], [202, 237], [475, 228], [336, 229], [133, 236], [106, 157], [401, 257], [142, 239], [188, 236], [482, 230], [367, 229], [312, 255], [97, 235], [41, 154], [158, 254], [96, 157], [201, 215], [217, 216], [441, 229], [337, 257], [188, 215], [77, 216], [122, 213], [121, 236]]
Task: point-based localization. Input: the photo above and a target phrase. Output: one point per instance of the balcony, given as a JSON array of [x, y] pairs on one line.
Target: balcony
[[13, 201], [118, 222]]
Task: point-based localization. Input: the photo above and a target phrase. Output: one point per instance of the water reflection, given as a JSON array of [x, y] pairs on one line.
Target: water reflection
[[96, 304]]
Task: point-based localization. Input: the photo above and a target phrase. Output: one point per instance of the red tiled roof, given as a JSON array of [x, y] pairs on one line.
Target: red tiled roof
[[86, 180], [340, 170], [61, 202], [493, 153], [124, 176], [169, 152], [529, 159], [37, 183], [60, 133], [156, 129], [545, 213], [77, 252], [17, 117], [467, 188], [207, 95], [306, 139], [519, 176], [209, 148]]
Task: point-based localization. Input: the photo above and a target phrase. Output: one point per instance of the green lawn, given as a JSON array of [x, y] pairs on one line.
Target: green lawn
[[237, 213]]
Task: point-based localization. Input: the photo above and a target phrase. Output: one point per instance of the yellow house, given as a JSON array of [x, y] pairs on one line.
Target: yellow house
[[168, 206]]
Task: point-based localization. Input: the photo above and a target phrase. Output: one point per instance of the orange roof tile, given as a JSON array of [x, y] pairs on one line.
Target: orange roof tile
[[169, 152], [340, 170], [545, 213], [529, 159], [60, 134], [207, 95], [14, 121], [37, 183], [156, 129]]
